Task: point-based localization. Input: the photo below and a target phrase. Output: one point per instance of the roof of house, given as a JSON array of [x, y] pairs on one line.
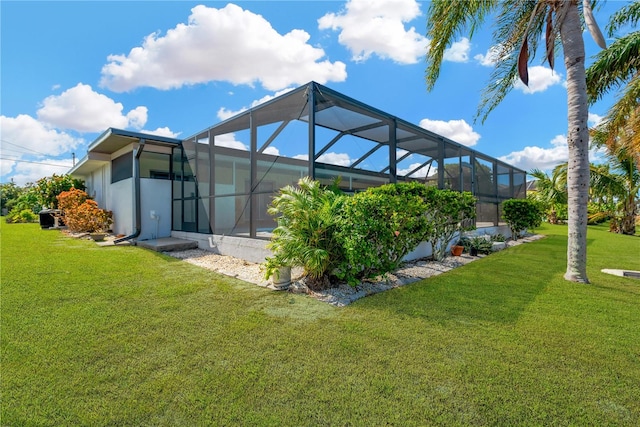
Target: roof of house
[[110, 141]]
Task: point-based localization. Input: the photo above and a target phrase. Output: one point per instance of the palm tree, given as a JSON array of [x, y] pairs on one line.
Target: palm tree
[[551, 191], [619, 67], [519, 26], [622, 184]]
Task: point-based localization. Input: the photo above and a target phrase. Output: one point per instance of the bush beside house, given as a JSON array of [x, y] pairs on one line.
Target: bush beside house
[[521, 214], [81, 214], [349, 238]]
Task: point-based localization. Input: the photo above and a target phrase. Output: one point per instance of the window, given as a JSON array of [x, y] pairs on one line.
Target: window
[[122, 167], [155, 165]]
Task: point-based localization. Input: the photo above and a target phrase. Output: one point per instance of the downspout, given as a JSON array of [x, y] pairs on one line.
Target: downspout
[[136, 194]]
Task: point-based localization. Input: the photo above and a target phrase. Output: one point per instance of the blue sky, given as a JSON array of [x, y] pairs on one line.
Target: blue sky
[[70, 70]]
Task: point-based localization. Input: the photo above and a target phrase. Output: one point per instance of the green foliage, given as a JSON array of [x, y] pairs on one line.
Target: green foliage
[[9, 194], [21, 215], [481, 244], [330, 234], [48, 189], [449, 213], [498, 237], [27, 200], [598, 218], [521, 214], [378, 227], [305, 235]]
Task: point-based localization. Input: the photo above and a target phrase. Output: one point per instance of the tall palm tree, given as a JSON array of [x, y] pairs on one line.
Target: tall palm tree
[[519, 27], [618, 67]]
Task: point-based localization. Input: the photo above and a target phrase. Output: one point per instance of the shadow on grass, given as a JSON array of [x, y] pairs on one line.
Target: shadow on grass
[[497, 288]]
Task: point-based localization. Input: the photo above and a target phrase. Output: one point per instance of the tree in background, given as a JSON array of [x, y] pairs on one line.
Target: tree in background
[[35, 197], [618, 67], [519, 28], [619, 186], [551, 192], [49, 188], [9, 194]]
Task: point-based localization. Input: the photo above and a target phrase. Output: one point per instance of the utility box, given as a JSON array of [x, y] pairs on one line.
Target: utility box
[[50, 218]]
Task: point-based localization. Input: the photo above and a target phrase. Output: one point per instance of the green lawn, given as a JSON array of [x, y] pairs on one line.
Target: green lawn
[[127, 337]]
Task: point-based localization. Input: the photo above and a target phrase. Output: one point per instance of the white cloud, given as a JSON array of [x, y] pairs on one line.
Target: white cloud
[[540, 79], [540, 158], [595, 119], [544, 159], [228, 44], [490, 58], [458, 52], [420, 173], [456, 130], [339, 159], [368, 28], [83, 110], [164, 131], [31, 172], [272, 150], [34, 137], [229, 140], [224, 113]]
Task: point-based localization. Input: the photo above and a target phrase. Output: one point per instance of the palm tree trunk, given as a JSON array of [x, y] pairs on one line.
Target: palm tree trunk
[[578, 142]]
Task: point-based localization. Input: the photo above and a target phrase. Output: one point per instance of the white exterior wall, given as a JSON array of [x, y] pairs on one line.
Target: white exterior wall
[[97, 185], [121, 202], [155, 196]]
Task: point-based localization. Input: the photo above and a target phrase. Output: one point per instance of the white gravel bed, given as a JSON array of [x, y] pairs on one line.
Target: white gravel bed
[[343, 294]]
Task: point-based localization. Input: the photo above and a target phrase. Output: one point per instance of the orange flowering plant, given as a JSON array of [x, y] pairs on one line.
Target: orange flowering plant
[[81, 214]]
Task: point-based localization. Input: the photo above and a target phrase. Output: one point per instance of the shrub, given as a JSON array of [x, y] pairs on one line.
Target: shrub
[[481, 244], [331, 234], [22, 215], [378, 227], [305, 235], [498, 237], [521, 214], [81, 214], [449, 213]]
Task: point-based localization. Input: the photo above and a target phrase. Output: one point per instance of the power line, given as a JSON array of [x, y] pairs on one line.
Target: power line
[[37, 163], [24, 148]]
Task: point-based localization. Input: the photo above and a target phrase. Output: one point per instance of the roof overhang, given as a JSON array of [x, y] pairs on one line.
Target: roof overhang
[[100, 151]]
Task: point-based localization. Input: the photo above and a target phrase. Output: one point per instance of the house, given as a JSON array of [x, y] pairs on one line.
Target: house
[[214, 187]]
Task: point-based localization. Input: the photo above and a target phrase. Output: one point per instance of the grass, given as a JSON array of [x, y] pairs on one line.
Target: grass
[[124, 336]]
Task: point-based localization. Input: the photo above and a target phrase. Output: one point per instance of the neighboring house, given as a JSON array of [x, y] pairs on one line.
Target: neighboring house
[[215, 186]]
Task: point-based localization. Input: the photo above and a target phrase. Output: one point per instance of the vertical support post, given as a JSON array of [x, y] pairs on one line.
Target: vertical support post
[[212, 183], [474, 174], [495, 191], [311, 105], [440, 163], [393, 178], [253, 153]]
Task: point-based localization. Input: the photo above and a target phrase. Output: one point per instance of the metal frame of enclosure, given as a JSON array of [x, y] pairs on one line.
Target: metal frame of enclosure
[[225, 176]]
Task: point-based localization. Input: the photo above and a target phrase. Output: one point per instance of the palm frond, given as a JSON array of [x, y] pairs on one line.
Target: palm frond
[[626, 15], [614, 66], [515, 21], [446, 19]]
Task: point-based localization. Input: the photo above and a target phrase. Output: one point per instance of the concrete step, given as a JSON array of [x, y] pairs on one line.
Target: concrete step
[[167, 244]]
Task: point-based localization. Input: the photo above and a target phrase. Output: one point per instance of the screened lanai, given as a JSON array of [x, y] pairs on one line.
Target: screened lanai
[[225, 176]]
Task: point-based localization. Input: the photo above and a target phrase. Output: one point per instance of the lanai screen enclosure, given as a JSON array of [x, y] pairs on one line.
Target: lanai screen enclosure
[[225, 176]]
